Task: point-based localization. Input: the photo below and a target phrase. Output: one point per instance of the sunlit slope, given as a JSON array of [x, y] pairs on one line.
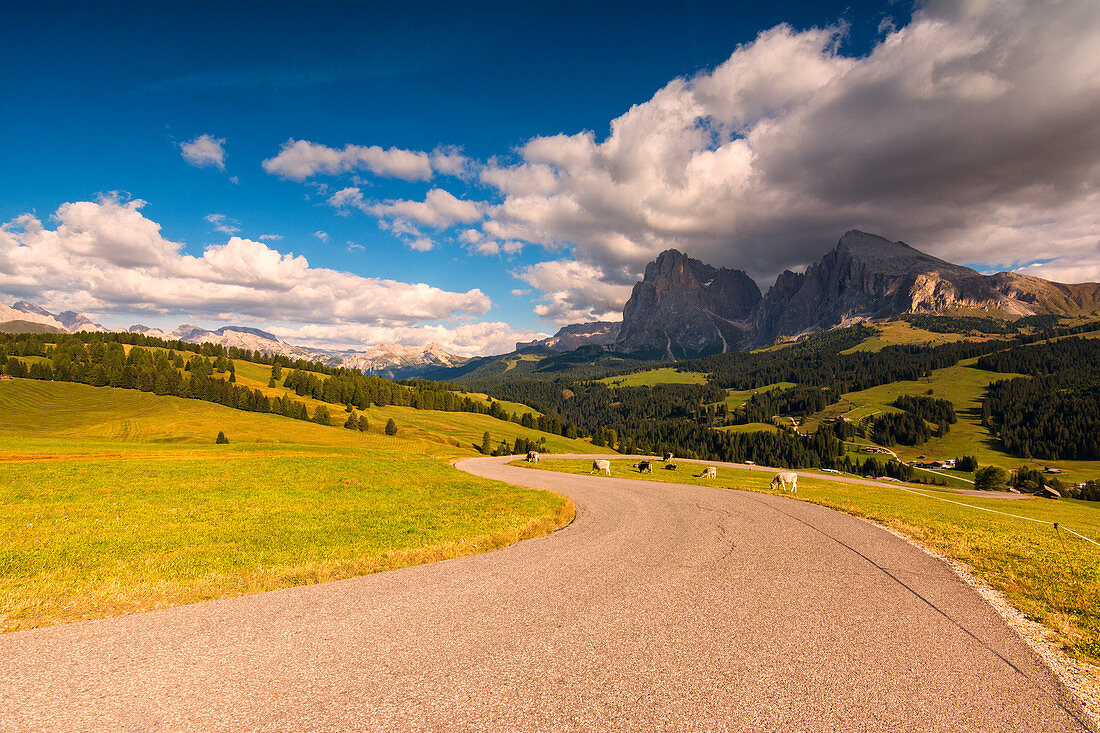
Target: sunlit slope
[[113, 500], [63, 409]]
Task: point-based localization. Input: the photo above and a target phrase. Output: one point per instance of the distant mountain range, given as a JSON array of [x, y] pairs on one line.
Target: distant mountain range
[[683, 308], [383, 359]]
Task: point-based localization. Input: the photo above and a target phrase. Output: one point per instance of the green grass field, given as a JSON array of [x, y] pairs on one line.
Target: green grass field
[[1022, 559], [894, 333], [752, 427], [664, 375], [964, 385], [737, 397], [511, 408], [113, 501]]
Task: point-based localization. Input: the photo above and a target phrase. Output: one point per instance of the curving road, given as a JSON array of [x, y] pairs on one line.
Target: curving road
[[662, 607]]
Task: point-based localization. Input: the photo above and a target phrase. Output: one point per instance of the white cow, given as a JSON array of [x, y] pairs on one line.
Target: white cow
[[601, 467], [532, 456], [786, 477], [668, 457], [709, 472]]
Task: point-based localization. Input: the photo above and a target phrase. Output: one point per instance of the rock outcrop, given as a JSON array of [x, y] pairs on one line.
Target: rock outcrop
[[684, 308], [568, 338], [866, 276]]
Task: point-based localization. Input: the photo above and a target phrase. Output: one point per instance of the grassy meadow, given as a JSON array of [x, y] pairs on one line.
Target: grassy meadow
[[114, 501], [1024, 560], [737, 397], [664, 375], [895, 333]]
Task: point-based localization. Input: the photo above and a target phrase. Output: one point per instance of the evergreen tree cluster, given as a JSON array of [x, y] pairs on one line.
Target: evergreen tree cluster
[[899, 427], [799, 401], [1054, 414], [939, 412], [1051, 417]]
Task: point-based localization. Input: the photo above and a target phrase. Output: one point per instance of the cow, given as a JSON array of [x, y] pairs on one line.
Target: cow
[[532, 456], [643, 467], [786, 477], [668, 457], [670, 466], [601, 467], [708, 472]]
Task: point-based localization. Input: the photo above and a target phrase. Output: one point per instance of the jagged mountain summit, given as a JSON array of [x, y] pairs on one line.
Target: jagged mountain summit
[[65, 322], [569, 338], [867, 276], [386, 359], [684, 307]]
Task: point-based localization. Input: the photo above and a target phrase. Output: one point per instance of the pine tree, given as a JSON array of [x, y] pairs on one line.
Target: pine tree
[[364, 425], [391, 427], [321, 416], [352, 422], [221, 439], [485, 441]]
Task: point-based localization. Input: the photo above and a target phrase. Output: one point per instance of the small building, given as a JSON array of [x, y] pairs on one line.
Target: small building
[[5, 376], [1053, 469], [1048, 493]]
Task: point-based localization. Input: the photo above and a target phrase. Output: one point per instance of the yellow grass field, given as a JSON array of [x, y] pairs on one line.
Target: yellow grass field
[[114, 501]]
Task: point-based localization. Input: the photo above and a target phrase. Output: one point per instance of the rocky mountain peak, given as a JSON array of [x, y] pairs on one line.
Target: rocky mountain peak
[[684, 307]]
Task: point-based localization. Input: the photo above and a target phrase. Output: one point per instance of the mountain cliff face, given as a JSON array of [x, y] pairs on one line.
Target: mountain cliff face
[[867, 276], [684, 308]]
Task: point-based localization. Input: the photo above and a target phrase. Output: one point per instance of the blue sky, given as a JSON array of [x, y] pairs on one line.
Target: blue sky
[[471, 171]]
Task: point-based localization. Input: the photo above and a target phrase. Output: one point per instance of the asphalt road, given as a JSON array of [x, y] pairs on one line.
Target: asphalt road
[[662, 607]]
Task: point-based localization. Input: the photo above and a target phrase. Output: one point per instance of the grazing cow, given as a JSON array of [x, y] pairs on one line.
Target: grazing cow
[[709, 472], [668, 457], [670, 466], [643, 467], [786, 477], [532, 456], [601, 467]]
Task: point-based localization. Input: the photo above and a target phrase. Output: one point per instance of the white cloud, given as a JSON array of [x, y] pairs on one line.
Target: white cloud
[[520, 292], [477, 243], [223, 223], [450, 161], [205, 150], [106, 257], [270, 237], [323, 236], [421, 244], [469, 339], [439, 209], [573, 292], [350, 196], [301, 159], [972, 133]]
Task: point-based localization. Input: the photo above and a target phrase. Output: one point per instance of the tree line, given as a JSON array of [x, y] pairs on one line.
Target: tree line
[[1055, 412], [103, 361]]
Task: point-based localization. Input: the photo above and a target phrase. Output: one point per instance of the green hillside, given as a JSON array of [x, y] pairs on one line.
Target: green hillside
[[664, 375], [114, 500]]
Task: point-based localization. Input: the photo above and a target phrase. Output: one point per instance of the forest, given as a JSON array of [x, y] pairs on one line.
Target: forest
[[1053, 414]]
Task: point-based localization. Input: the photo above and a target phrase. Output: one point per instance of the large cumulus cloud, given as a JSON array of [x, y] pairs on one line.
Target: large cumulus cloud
[[973, 133], [106, 256]]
